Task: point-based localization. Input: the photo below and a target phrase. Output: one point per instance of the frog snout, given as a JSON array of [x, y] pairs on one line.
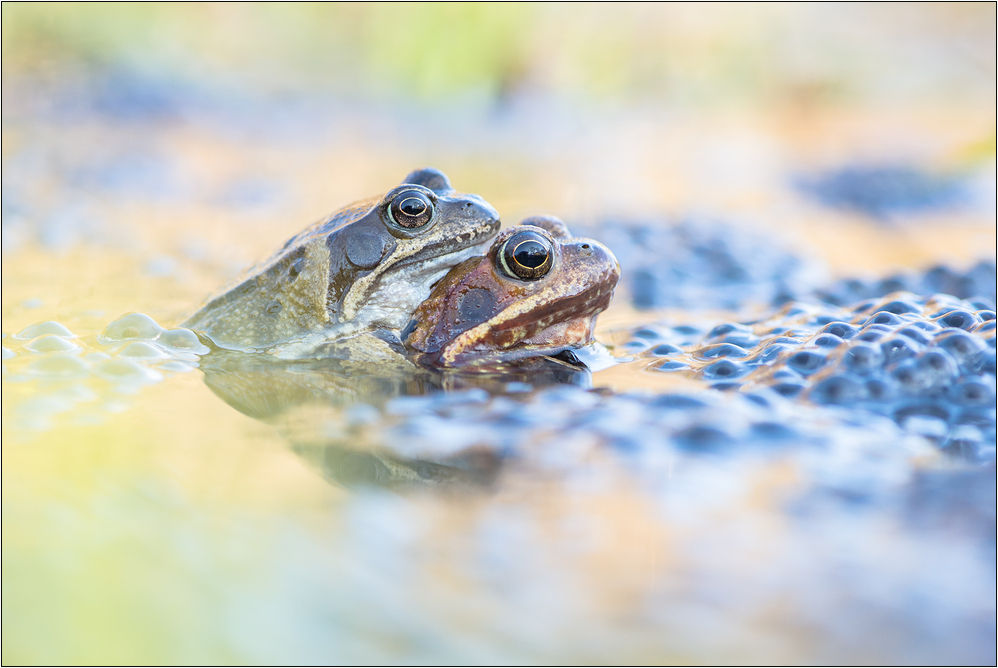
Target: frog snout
[[476, 208], [595, 256]]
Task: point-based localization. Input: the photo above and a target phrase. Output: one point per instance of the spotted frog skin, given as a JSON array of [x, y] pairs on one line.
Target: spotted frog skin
[[536, 292], [365, 267]]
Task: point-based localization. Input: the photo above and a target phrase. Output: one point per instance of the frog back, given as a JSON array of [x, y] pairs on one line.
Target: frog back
[[282, 298]]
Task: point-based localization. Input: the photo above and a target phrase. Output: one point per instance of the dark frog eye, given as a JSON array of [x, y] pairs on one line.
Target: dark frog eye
[[410, 209], [526, 255]]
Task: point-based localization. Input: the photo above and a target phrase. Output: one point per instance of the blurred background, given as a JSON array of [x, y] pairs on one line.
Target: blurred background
[[861, 136], [733, 156]]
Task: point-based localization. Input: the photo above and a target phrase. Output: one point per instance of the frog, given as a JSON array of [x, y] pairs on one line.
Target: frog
[[536, 292], [365, 267]]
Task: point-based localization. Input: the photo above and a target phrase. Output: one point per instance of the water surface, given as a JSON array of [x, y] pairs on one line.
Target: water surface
[[720, 494]]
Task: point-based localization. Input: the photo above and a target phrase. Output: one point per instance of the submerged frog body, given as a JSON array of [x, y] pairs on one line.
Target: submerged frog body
[[537, 292], [365, 267]]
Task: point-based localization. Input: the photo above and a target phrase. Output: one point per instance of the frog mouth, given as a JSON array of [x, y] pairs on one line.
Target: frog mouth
[[540, 323], [529, 327], [463, 245]]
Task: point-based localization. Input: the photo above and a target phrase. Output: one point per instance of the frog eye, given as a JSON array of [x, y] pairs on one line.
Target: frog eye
[[410, 209], [526, 255]]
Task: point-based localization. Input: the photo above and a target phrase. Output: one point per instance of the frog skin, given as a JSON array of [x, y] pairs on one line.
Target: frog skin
[[536, 292], [365, 267]]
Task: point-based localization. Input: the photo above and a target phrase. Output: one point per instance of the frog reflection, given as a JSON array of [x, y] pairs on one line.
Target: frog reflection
[[315, 404], [364, 267]]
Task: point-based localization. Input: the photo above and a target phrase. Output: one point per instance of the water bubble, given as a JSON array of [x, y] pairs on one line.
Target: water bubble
[[957, 343], [183, 339], [672, 366], [769, 353], [773, 431], [726, 386], [910, 378], [883, 318], [721, 350], [880, 390], [899, 307], [51, 343], [983, 361], [789, 389], [664, 349], [915, 334], [898, 348], [686, 330], [806, 362], [873, 333], [840, 329], [973, 393], [43, 328], [958, 319], [828, 341], [677, 402], [837, 390], [986, 327], [862, 307], [938, 366], [789, 340], [935, 410], [131, 326], [702, 438], [739, 339], [648, 333], [636, 346], [724, 369], [923, 326], [727, 328]]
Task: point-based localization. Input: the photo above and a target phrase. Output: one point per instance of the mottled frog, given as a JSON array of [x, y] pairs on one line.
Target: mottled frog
[[365, 267], [536, 292]]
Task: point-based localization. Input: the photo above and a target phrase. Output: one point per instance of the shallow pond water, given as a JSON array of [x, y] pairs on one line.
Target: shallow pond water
[[786, 452]]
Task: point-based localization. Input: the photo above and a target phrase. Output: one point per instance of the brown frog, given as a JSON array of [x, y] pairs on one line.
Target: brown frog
[[365, 267], [536, 292]]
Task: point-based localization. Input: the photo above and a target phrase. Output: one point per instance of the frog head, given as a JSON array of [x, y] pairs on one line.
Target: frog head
[[367, 266], [384, 264], [536, 292]]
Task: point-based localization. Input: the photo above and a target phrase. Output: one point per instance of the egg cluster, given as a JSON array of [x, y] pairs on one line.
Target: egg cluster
[[927, 363], [702, 265], [977, 285], [54, 373], [690, 447], [886, 191]]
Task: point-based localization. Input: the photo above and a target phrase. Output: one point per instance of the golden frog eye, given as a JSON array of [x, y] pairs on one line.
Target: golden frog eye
[[410, 209], [526, 255]]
